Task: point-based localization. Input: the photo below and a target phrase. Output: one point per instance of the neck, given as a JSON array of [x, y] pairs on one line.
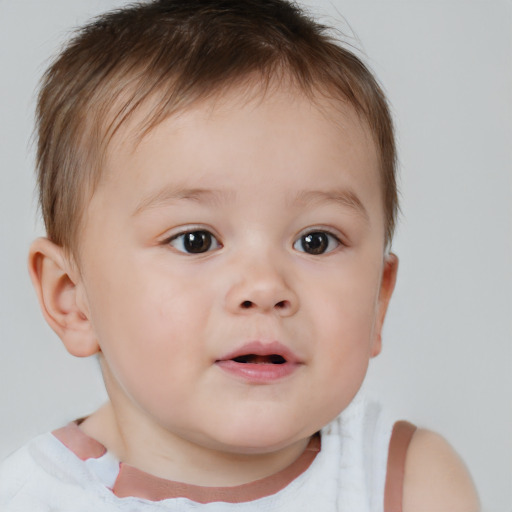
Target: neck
[[152, 449]]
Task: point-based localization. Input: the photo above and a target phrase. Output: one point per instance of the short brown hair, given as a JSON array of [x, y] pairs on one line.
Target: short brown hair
[[179, 52]]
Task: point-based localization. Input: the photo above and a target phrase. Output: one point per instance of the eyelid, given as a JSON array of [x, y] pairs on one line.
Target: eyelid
[[187, 228], [336, 233]]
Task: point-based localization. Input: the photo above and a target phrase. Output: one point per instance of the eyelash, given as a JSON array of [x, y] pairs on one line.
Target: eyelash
[[323, 242]]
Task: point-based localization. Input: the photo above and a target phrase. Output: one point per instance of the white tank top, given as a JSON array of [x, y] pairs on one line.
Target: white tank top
[[345, 468]]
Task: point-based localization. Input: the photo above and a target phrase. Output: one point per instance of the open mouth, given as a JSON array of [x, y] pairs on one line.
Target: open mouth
[[257, 359], [260, 363]]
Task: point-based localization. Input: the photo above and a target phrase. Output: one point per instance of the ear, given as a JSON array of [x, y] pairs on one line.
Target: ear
[[61, 296], [387, 286]]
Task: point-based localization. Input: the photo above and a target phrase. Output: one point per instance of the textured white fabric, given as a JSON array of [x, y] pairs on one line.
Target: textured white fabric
[[348, 475]]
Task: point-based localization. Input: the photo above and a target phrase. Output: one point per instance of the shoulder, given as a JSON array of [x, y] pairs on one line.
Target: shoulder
[[32, 477], [15, 473], [436, 478]]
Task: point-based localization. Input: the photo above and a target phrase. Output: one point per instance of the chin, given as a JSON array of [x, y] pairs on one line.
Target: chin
[[259, 437]]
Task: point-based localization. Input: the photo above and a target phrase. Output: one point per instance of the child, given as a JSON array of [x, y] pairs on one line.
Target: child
[[217, 183]]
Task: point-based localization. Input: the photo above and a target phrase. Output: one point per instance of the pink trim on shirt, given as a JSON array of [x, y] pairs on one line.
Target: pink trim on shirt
[[401, 437], [132, 482], [76, 440]]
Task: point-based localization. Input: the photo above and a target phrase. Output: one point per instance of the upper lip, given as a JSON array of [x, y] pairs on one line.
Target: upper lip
[[260, 348]]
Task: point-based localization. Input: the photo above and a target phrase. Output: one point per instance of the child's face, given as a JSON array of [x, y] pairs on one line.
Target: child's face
[[238, 228]]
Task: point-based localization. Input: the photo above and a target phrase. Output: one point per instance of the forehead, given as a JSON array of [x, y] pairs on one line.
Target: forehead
[[245, 131], [252, 100]]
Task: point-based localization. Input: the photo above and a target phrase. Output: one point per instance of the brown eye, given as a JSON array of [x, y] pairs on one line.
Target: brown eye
[[317, 242], [194, 242]]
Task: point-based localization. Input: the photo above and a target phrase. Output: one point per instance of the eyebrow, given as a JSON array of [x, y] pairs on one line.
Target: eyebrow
[[344, 197], [169, 195]]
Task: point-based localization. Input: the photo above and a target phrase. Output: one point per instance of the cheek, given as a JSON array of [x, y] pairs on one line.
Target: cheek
[[345, 316], [347, 307], [136, 317], [146, 346], [148, 318]]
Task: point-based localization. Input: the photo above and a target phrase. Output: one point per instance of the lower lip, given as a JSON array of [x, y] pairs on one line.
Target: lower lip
[[258, 373]]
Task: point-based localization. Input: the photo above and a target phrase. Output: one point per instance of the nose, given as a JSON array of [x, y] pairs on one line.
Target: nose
[[261, 287]]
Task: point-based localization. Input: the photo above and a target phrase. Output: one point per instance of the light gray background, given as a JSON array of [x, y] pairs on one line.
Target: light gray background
[[447, 359]]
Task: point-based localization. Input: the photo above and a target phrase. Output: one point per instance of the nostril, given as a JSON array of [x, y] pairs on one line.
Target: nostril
[[248, 304]]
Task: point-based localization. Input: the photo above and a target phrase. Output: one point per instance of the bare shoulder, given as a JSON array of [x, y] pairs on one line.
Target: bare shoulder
[[436, 479]]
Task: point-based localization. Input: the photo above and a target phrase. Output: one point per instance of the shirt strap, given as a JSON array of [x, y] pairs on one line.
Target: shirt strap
[[398, 445]]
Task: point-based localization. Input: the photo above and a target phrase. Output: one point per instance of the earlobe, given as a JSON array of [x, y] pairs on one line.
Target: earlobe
[[388, 281], [57, 284]]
